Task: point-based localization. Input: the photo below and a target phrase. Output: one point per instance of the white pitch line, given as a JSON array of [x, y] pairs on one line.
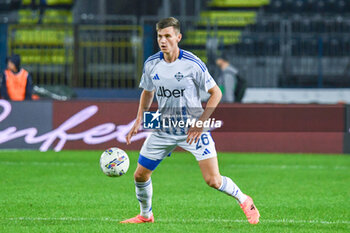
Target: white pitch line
[[291, 221], [315, 167], [3, 151], [42, 163]]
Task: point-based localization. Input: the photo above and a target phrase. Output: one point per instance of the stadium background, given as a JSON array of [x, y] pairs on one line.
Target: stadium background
[[290, 52], [86, 61]]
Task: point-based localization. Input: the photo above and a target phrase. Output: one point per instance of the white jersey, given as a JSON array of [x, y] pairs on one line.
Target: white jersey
[[177, 85]]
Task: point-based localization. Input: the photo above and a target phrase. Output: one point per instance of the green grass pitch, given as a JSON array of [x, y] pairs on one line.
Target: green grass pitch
[[67, 192]]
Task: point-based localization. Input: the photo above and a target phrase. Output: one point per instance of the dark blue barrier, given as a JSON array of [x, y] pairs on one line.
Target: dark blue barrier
[[105, 94], [3, 46]]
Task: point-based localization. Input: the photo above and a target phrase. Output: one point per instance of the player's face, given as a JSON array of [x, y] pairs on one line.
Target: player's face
[[168, 39], [219, 62]]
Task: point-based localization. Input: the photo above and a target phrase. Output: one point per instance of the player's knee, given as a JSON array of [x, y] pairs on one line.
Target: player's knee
[[213, 181], [141, 176]]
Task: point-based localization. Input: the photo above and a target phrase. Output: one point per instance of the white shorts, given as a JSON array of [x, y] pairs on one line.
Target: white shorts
[[159, 145]]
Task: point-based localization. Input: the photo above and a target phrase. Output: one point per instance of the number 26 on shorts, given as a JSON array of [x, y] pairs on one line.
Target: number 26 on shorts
[[202, 140]]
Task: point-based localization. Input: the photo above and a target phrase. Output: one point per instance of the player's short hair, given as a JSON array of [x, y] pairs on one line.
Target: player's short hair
[[224, 56], [168, 22]]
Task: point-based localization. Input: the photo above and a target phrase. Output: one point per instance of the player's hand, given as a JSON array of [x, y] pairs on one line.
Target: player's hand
[[132, 131], [193, 134]]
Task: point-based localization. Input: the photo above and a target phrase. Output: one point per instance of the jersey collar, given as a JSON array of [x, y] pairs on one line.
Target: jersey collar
[[161, 55], [181, 53]]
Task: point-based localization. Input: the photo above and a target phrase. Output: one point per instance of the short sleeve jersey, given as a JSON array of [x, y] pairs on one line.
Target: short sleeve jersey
[[177, 85]]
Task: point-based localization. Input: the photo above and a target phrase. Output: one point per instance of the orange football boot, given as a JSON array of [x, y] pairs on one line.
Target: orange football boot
[[139, 219], [250, 211]]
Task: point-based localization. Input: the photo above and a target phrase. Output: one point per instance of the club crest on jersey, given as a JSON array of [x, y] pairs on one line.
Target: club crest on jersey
[[179, 76]]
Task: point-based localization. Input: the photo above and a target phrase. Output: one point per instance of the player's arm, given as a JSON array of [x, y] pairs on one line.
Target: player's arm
[[213, 101], [215, 96], [146, 99]]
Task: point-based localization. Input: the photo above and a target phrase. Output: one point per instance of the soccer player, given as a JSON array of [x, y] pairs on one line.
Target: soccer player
[[176, 76]]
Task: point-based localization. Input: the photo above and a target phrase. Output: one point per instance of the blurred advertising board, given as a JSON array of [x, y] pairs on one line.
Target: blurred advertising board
[[97, 125]]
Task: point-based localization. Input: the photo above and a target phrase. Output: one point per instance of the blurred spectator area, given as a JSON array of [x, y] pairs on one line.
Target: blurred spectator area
[[279, 43], [308, 6], [91, 51], [79, 55], [103, 44]]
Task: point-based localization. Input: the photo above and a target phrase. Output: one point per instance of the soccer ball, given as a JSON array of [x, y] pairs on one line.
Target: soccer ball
[[114, 162]]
